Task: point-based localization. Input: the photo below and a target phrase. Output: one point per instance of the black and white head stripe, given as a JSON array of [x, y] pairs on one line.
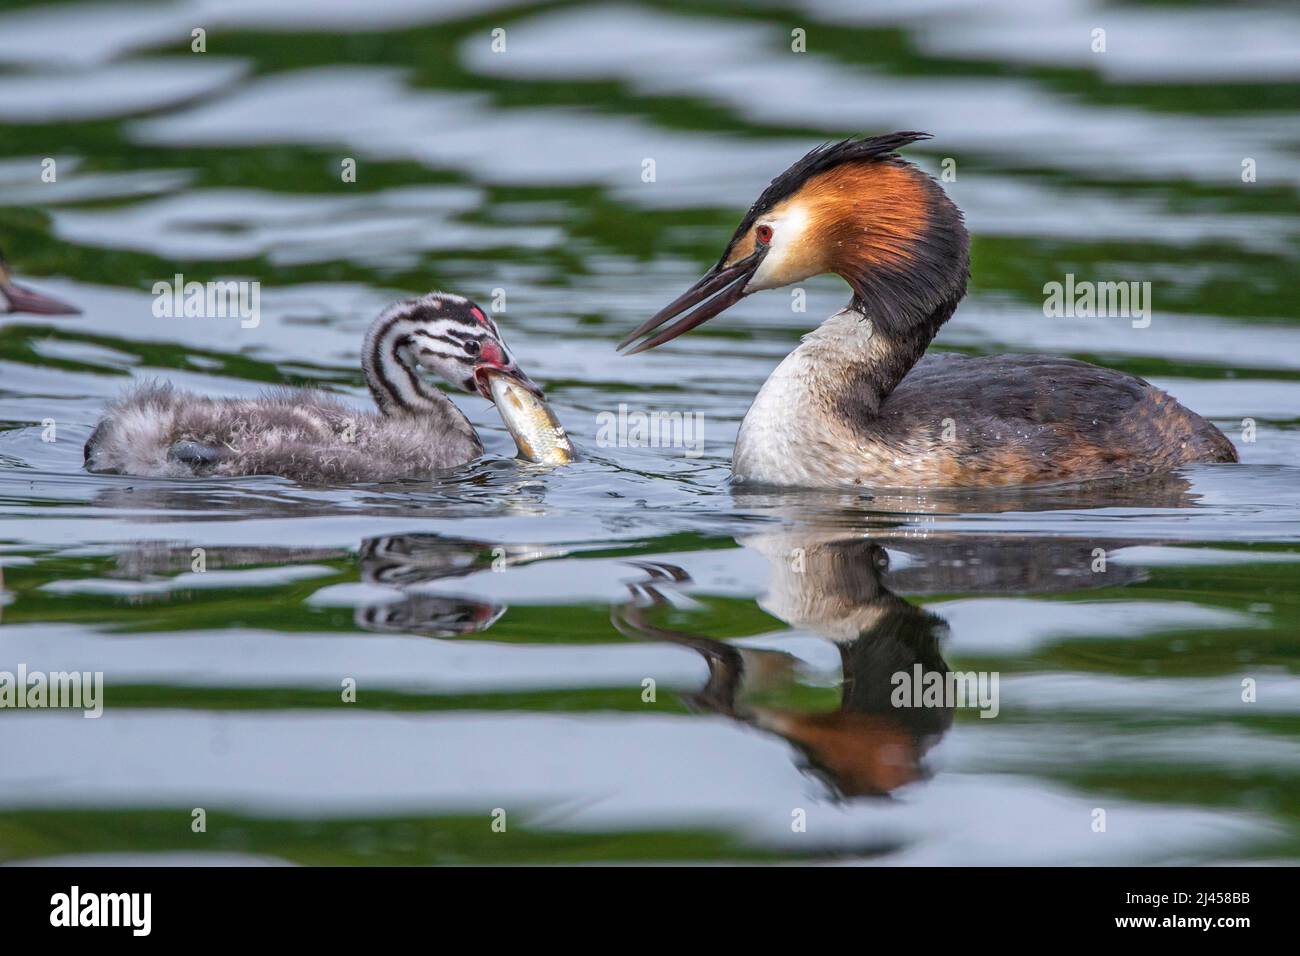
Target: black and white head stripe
[[445, 334]]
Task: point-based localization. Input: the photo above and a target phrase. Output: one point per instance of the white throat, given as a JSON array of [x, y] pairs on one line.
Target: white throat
[[791, 427]]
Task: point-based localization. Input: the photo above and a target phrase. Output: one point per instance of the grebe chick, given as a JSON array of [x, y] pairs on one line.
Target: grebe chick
[[17, 298], [859, 403], [306, 435]]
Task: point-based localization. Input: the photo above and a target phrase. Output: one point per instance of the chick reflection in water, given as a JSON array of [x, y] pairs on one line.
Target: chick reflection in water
[[868, 746], [405, 562]]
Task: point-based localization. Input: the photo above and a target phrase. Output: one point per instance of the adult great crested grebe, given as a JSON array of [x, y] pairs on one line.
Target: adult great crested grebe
[[154, 430], [16, 298], [859, 403]]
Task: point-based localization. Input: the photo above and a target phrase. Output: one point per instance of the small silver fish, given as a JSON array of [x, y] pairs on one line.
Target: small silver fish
[[532, 424]]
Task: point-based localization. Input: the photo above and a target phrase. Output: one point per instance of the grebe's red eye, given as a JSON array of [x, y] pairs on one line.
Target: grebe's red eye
[[764, 233]]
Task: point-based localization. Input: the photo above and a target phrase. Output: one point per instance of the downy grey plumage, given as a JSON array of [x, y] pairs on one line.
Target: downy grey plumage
[[307, 435]]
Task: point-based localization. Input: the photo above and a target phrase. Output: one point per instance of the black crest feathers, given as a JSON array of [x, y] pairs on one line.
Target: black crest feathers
[[824, 157]]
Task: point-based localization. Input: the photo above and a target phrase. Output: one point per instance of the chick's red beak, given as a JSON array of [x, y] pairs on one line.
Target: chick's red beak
[[492, 360]]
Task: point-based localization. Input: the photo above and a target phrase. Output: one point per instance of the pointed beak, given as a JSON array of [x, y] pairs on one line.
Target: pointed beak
[[486, 368], [717, 290], [21, 299]]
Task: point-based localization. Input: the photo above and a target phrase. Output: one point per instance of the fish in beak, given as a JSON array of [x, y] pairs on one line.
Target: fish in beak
[[717, 290], [493, 360], [535, 428]]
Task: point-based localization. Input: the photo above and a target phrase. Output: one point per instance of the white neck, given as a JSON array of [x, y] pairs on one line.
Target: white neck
[[795, 421]]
